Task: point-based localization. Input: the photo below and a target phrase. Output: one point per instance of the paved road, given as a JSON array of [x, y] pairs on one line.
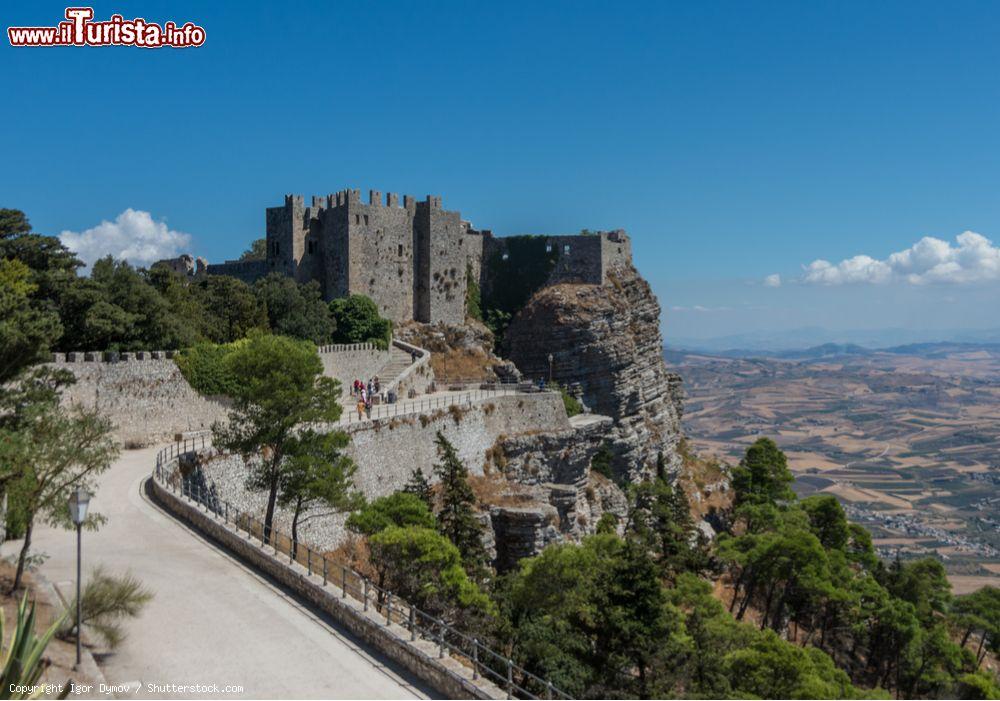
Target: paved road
[[212, 621]]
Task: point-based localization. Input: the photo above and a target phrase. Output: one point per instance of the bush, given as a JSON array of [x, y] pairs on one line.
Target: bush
[[572, 404], [601, 462], [358, 321]]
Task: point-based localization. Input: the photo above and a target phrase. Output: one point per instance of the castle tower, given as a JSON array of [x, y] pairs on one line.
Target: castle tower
[[439, 264]]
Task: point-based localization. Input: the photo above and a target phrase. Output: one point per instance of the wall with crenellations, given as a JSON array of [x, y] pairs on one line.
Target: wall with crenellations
[[143, 394]]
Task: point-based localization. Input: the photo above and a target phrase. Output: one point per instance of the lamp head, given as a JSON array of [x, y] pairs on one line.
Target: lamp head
[[78, 502]]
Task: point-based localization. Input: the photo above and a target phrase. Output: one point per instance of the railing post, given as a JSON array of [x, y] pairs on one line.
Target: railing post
[[388, 609], [475, 659], [548, 688], [291, 550], [510, 678], [366, 593], [343, 582], [227, 511], [324, 571], [309, 560], [440, 640], [413, 623]]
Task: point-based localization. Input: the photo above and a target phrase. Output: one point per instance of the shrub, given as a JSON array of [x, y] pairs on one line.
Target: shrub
[[572, 404], [601, 462]]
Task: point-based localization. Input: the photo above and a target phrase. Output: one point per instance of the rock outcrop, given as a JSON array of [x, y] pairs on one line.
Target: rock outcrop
[[606, 338]]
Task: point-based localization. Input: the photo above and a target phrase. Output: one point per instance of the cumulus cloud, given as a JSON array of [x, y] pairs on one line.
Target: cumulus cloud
[[773, 280], [973, 258], [132, 236]]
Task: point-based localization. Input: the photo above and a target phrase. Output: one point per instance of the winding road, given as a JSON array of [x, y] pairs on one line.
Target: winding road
[[212, 620]]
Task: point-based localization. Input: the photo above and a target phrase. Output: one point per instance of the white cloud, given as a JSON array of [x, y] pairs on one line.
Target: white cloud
[[773, 280], [132, 236], [700, 308], [973, 258]]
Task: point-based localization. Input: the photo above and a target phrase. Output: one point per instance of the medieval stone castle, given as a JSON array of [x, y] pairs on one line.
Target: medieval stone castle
[[413, 258]]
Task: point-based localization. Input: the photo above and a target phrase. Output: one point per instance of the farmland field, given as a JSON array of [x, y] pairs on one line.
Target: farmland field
[[907, 439]]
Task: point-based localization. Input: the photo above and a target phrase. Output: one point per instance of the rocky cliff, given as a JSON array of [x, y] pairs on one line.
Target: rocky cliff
[[605, 344]]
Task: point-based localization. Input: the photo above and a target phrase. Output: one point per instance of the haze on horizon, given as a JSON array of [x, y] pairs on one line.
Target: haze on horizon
[[779, 167]]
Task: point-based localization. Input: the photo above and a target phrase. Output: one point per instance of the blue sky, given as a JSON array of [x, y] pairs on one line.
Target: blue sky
[[732, 140]]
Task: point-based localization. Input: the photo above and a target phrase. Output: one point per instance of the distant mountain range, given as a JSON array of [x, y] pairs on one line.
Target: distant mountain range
[[773, 343], [940, 349]]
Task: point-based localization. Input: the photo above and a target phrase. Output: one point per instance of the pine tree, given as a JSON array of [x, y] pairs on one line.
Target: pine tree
[[457, 519], [419, 486]]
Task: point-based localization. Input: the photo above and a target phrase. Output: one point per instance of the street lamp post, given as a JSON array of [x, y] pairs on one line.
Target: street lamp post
[[551, 358], [78, 502]]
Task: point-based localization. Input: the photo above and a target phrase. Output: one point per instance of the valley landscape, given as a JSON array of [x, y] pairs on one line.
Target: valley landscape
[[906, 438]]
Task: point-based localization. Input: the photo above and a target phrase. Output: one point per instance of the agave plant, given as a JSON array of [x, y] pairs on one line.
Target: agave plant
[[23, 663]]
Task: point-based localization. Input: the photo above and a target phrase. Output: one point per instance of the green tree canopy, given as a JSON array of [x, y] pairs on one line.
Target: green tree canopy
[[457, 518], [293, 309], [257, 250], [763, 474], [281, 386], [358, 321], [425, 568], [397, 509]]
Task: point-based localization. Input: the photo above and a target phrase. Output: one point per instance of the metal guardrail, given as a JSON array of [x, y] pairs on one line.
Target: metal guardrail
[[407, 407], [483, 661]]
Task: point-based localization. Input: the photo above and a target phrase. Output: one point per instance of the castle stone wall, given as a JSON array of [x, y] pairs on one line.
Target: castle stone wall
[[148, 400], [412, 260], [246, 270], [381, 256]]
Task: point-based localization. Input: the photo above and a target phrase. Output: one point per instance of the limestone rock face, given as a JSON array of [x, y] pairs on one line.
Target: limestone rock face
[[607, 339], [522, 531]]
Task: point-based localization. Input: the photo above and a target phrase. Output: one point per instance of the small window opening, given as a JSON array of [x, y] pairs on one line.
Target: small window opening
[[506, 256], [566, 249], [548, 248], [400, 251], [366, 220]]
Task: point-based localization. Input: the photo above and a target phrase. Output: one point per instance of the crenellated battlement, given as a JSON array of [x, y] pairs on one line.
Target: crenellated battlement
[[412, 256], [348, 197]]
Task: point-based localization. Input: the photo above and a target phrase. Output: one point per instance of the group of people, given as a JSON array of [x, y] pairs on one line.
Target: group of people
[[364, 393]]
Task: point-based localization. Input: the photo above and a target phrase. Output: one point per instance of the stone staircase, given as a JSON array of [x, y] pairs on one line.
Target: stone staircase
[[399, 361]]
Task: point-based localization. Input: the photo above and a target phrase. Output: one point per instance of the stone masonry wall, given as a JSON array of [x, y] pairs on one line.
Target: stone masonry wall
[[345, 366], [148, 400], [388, 450]]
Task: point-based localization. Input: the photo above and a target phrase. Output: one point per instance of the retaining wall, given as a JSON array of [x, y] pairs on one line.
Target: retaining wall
[[359, 361], [387, 450], [144, 395], [420, 657]]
